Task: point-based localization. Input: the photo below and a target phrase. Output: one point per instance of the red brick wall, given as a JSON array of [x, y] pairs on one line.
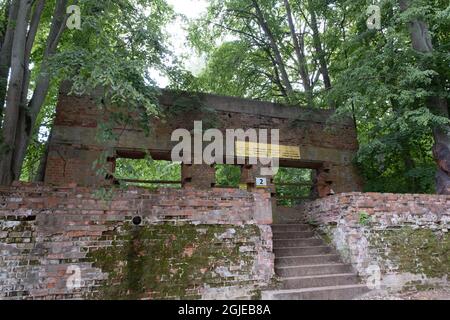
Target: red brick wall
[[390, 209], [400, 240], [45, 230], [323, 143]]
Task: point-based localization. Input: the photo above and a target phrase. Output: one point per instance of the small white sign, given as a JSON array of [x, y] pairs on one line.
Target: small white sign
[[261, 182]]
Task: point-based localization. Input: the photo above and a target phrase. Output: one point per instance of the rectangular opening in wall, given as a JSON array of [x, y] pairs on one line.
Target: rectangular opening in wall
[[293, 186], [148, 173], [227, 176]]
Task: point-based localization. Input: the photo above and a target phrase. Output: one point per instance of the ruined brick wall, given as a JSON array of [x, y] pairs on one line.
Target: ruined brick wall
[[326, 143], [404, 235], [190, 244]]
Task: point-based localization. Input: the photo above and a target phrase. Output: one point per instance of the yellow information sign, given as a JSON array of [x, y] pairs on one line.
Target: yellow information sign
[[290, 152], [263, 150]]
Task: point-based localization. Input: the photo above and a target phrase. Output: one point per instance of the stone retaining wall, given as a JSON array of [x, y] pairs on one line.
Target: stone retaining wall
[[67, 243], [402, 237]]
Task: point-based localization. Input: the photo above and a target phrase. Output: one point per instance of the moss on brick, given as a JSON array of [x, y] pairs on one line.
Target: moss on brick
[[22, 226], [325, 232], [171, 261], [417, 251]]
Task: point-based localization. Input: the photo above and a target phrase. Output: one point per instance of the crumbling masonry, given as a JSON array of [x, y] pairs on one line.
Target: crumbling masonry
[[76, 236], [326, 144]]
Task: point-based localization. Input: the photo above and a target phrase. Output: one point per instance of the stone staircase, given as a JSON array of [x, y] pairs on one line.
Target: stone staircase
[[309, 269]]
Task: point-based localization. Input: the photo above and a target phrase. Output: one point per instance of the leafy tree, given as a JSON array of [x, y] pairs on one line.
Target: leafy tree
[[117, 44], [148, 169], [293, 185], [228, 175], [271, 38], [388, 85], [394, 82]]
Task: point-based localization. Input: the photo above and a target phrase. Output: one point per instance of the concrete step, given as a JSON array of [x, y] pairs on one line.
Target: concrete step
[[289, 243], [308, 269], [313, 270], [304, 260], [290, 227], [293, 235], [325, 280], [302, 251], [348, 292]]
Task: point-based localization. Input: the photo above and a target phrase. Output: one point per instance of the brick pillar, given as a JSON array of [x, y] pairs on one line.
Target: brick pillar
[[334, 179], [74, 165], [198, 176], [249, 175], [323, 182]]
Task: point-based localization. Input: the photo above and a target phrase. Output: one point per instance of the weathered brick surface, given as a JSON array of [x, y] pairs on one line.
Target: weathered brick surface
[[323, 141], [44, 231], [404, 235], [387, 209], [198, 176]]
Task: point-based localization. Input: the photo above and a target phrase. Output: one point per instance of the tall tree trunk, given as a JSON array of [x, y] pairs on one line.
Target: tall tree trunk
[[421, 41], [14, 95], [299, 51], [274, 46], [28, 120], [34, 25], [24, 124], [320, 52], [5, 53], [441, 148]]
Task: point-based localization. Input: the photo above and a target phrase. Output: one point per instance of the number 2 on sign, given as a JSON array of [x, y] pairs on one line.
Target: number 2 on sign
[[261, 182]]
